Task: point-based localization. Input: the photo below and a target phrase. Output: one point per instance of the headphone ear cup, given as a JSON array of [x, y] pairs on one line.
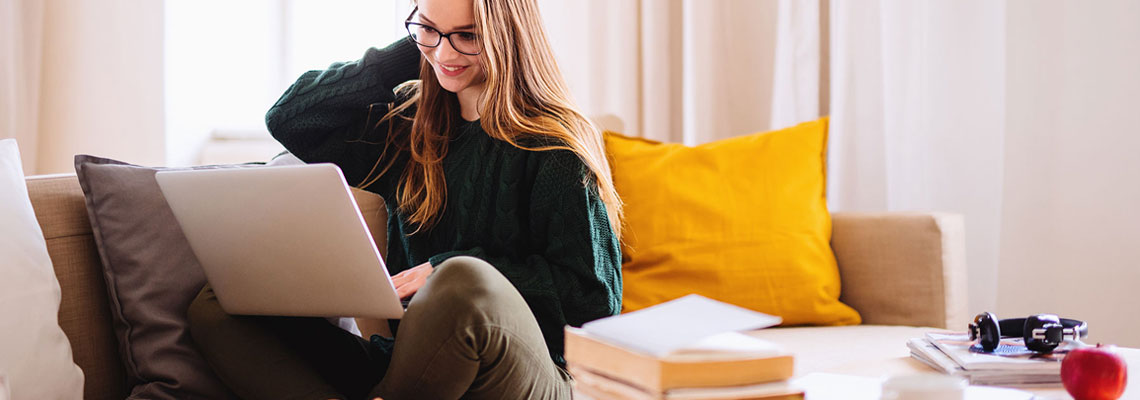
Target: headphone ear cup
[[1052, 337], [988, 333]]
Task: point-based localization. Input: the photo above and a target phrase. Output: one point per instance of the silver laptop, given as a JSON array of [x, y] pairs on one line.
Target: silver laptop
[[287, 241]]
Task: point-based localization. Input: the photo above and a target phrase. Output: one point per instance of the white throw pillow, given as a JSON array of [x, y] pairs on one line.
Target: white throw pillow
[[35, 355]]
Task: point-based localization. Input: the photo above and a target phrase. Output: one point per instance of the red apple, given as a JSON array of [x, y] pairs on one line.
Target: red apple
[[1094, 373]]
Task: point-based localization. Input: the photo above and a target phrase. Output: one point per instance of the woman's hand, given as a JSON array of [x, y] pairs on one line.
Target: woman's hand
[[410, 281]]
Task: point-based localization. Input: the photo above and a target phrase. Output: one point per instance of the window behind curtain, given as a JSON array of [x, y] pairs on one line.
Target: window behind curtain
[[228, 61]]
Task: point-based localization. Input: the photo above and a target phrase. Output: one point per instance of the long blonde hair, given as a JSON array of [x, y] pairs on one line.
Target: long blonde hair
[[525, 98]]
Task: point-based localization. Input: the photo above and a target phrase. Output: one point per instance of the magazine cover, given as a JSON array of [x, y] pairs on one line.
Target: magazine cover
[[923, 350], [1011, 354]]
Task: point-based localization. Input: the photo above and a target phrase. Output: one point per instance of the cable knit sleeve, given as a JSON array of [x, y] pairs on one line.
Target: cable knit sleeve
[[576, 276], [325, 115]]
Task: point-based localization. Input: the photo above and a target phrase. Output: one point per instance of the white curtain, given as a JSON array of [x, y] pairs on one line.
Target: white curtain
[[917, 104], [688, 71], [21, 38], [1019, 115], [799, 89], [81, 77]]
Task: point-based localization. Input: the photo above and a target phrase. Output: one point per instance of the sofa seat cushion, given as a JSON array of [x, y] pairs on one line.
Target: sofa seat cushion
[[864, 350]]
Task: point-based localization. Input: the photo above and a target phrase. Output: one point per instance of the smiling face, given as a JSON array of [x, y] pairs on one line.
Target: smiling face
[[457, 72]]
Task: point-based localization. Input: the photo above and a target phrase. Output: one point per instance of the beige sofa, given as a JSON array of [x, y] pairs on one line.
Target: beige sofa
[[899, 270]]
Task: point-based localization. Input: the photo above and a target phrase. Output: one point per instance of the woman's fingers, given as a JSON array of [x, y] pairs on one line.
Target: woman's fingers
[[399, 280], [403, 292], [410, 287], [409, 281]]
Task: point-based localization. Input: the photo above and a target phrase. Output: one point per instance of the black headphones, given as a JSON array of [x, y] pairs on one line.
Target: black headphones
[[1042, 332]]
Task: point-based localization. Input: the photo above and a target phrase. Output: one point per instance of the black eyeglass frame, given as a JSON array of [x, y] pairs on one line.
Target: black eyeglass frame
[[408, 26]]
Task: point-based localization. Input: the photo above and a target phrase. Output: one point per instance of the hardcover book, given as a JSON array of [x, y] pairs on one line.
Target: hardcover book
[[590, 385], [727, 359]]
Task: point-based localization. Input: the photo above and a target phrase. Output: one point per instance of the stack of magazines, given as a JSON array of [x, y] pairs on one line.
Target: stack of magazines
[[1015, 366]]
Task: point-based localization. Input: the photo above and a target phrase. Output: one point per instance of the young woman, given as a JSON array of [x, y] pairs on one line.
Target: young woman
[[503, 218]]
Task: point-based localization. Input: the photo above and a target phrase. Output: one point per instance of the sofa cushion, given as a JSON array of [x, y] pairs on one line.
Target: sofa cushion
[[742, 220], [151, 275], [35, 355]]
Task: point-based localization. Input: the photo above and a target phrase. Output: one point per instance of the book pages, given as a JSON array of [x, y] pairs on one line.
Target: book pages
[[669, 326]]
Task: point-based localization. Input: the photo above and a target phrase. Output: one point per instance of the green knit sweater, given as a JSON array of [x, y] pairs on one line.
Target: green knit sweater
[[535, 216]]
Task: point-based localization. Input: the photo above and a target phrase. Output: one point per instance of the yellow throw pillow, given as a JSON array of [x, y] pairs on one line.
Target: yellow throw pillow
[[742, 220]]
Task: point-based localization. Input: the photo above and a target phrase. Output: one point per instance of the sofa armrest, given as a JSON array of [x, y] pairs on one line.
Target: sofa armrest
[[902, 268]]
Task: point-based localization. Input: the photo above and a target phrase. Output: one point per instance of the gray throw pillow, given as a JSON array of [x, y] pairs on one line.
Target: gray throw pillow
[[152, 276]]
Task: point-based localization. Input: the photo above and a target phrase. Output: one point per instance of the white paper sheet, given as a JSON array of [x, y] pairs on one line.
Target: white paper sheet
[[669, 326]]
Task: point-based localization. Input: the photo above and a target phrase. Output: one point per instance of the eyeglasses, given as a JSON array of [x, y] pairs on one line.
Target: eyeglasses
[[463, 42]]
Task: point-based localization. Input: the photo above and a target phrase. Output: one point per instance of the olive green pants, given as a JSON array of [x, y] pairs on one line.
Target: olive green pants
[[466, 334]]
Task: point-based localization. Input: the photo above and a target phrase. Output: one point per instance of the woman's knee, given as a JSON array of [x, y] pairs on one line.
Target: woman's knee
[[464, 268], [467, 280]]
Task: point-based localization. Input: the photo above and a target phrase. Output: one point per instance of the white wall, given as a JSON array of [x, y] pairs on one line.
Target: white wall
[[1070, 221], [101, 87]]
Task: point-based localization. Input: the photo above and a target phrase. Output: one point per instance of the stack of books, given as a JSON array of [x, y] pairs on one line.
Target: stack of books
[[689, 349], [1011, 365]]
